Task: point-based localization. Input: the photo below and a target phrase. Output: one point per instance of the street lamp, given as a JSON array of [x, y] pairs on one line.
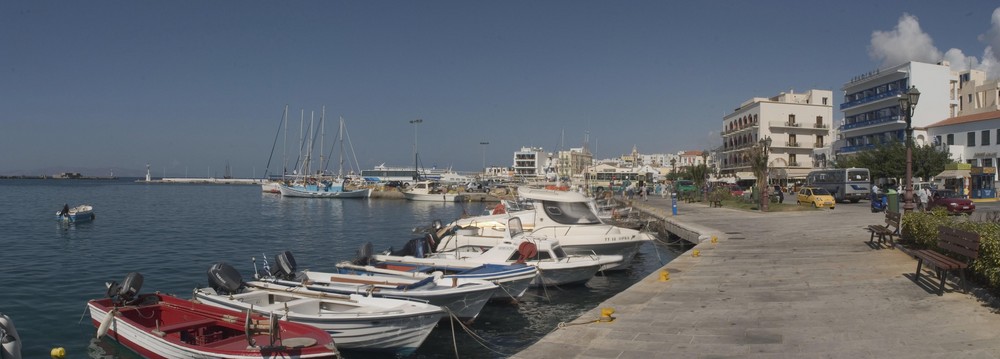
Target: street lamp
[[765, 145], [416, 157], [484, 143], [908, 103]]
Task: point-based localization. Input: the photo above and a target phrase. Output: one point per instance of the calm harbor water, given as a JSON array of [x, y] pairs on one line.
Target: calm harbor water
[[173, 233]]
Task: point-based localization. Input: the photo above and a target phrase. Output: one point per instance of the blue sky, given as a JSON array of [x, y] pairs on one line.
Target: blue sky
[[189, 86]]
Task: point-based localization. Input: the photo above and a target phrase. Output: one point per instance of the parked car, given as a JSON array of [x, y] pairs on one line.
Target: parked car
[[951, 201], [816, 196], [735, 190]]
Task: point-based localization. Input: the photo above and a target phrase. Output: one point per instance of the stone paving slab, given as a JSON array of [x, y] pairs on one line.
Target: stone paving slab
[[782, 285]]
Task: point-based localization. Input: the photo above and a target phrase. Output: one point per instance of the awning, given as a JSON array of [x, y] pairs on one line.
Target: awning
[[953, 174]]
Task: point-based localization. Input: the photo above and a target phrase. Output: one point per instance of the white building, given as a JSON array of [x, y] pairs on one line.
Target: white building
[[976, 94], [530, 162], [796, 124], [972, 139], [871, 104]]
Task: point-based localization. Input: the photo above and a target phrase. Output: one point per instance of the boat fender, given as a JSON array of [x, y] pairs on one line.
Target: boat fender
[[106, 323], [10, 342], [527, 250], [58, 353]]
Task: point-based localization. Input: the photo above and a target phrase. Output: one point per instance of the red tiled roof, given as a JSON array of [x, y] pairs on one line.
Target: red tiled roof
[[966, 119], [692, 153]]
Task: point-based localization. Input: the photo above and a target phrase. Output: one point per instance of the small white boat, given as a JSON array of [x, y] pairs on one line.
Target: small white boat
[[81, 213], [554, 265], [354, 321], [271, 187], [513, 280], [464, 297], [432, 191], [322, 191]]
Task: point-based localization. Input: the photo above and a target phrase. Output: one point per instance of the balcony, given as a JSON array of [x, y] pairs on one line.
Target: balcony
[[793, 163], [877, 121], [791, 144], [868, 99], [821, 125]]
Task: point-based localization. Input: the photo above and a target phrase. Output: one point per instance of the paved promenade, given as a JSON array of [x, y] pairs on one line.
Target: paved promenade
[[782, 285]]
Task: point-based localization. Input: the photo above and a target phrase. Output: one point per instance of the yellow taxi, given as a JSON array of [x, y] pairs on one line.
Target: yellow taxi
[[816, 196]]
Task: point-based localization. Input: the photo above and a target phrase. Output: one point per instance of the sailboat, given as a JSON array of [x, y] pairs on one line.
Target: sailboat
[[324, 186]]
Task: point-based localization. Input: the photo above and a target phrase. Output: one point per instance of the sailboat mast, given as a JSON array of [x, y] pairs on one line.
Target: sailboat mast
[[309, 151], [340, 171], [302, 140], [322, 136], [284, 145]]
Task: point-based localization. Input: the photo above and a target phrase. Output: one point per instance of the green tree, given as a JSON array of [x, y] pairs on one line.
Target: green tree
[[888, 160], [699, 174]]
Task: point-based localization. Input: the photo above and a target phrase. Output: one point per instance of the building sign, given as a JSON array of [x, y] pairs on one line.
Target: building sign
[[984, 155]]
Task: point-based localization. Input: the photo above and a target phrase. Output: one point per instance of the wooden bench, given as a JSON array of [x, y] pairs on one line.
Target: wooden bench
[[960, 248], [886, 232], [714, 202]]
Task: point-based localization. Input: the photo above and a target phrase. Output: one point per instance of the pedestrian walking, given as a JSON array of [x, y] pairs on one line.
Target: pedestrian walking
[[923, 197]]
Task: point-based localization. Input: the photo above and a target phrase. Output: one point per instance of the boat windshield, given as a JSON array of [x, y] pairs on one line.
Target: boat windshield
[[570, 212]]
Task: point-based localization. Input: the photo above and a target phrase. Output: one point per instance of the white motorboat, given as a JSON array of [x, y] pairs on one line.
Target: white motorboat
[[432, 191], [354, 321], [567, 217], [463, 297], [555, 267]]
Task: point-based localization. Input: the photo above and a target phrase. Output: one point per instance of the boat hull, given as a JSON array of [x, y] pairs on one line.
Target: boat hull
[[464, 298], [170, 344], [513, 281], [394, 326], [306, 193], [77, 214], [438, 197]]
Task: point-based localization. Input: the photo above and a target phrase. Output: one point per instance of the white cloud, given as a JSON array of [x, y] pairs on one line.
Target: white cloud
[[960, 62], [907, 42]]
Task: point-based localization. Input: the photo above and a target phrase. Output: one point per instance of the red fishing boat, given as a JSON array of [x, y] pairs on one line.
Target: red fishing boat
[[163, 326]]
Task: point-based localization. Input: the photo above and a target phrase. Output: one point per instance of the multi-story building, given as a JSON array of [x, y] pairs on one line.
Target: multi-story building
[[530, 162], [871, 104], [796, 124], [975, 140], [976, 94], [573, 162]]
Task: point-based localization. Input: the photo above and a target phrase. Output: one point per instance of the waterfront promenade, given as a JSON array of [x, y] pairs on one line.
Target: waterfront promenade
[[781, 285]]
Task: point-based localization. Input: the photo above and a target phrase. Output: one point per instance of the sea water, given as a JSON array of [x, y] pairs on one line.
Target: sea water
[[172, 233]]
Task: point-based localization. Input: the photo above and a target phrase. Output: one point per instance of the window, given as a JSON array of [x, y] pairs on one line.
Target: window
[[987, 162], [971, 162], [985, 140], [824, 100], [791, 119], [951, 139], [937, 140], [970, 139]]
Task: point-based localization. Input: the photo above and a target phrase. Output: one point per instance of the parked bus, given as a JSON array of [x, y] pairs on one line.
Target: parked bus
[[845, 184]]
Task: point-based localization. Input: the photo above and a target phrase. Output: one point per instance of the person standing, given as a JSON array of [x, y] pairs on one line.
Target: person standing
[[922, 195]]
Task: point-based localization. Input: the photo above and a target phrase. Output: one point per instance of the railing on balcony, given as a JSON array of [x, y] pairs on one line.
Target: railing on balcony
[[820, 125], [868, 99], [793, 163], [818, 145], [791, 144], [876, 121]]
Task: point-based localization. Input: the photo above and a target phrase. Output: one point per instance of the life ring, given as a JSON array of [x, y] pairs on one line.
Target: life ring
[[527, 250]]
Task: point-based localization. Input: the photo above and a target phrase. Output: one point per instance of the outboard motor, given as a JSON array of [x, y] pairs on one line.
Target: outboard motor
[[10, 342], [364, 254], [415, 247], [125, 293], [284, 266], [224, 278]]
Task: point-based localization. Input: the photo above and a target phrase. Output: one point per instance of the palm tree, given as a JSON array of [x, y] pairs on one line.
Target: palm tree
[[757, 157]]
